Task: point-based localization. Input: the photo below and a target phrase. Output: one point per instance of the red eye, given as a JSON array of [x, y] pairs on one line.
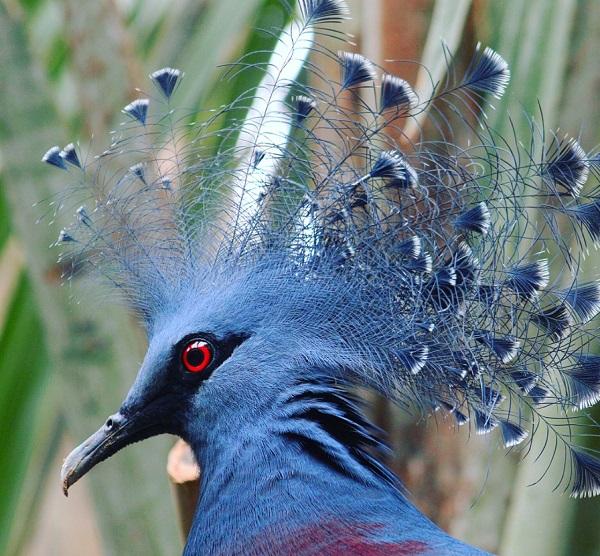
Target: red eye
[[197, 356]]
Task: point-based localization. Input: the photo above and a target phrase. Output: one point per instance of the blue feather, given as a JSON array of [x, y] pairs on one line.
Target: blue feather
[[526, 280], [445, 278], [413, 358], [586, 468], [587, 214], [303, 106], [166, 80], [476, 219], [65, 237], [323, 11], [410, 248], [409, 180], [488, 73], [484, 422], [138, 171], [583, 299], [538, 395], [512, 433], [396, 93], [82, 214], [567, 166], [467, 270], [524, 379], [138, 110], [466, 365], [356, 69], [461, 418], [69, 154], [52, 157], [583, 381], [557, 321], [505, 348], [390, 166], [421, 264]]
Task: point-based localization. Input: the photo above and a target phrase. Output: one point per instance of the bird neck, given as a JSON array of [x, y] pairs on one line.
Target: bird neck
[[309, 458]]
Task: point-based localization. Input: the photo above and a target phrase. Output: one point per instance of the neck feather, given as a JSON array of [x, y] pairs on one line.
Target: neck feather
[[304, 468], [313, 426], [313, 449], [327, 424]]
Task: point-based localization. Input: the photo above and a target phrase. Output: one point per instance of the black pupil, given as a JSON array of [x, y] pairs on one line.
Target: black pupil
[[195, 357]]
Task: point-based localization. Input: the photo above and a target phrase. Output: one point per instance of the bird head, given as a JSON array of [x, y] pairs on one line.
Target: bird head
[[307, 241], [222, 349]]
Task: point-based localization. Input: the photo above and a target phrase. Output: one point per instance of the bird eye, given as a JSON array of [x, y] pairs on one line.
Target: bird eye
[[197, 356]]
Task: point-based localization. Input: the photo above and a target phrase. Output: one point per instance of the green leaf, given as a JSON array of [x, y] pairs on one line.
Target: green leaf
[[445, 32], [223, 26], [46, 443], [57, 57], [4, 218], [31, 5], [23, 379]]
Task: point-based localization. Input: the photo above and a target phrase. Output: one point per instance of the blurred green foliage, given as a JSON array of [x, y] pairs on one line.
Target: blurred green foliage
[[23, 376]]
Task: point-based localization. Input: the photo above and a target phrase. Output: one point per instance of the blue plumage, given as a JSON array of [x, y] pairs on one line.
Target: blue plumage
[[488, 73], [303, 107], [323, 11], [138, 110], [584, 300], [587, 214], [528, 279], [281, 259], [389, 166], [166, 80], [396, 93], [584, 381], [538, 395], [476, 219], [567, 166], [138, 171], [69, 154], [52, 156], [356, 69], [512, 433]]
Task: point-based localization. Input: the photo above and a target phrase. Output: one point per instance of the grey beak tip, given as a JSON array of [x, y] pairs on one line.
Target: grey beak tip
[[65, 475]]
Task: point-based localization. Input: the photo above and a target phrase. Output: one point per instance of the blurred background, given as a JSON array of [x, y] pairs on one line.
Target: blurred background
[[67, 67]]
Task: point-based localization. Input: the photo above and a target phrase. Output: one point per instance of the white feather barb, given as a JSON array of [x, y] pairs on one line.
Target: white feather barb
[[264, 135]]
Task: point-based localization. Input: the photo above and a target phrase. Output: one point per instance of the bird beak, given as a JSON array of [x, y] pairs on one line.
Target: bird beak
[[119, 431]]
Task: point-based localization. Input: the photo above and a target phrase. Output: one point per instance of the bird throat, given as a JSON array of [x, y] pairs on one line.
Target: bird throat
[[316, 450]]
